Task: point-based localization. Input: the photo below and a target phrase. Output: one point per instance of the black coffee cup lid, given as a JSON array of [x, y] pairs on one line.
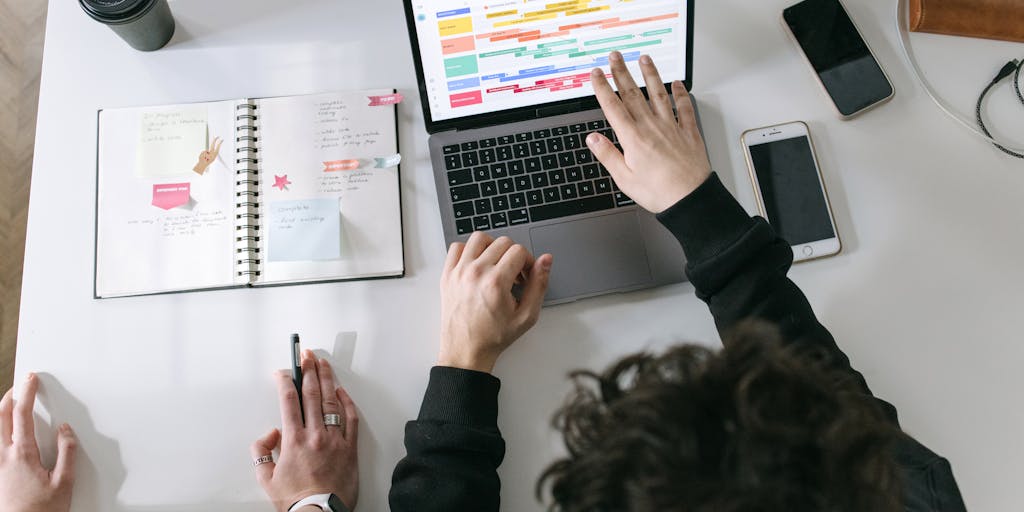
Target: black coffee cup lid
[[114, 8]]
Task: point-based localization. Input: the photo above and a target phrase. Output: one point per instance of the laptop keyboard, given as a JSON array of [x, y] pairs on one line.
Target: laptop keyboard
[[529, 177]]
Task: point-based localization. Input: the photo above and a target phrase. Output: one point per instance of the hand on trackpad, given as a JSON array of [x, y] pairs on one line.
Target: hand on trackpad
[[593, 255]]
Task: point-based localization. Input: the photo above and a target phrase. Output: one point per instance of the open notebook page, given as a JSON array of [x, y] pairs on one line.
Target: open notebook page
[[326, 210], [161, 226]]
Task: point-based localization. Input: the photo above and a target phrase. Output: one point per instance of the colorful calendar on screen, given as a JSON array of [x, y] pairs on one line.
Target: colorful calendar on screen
[[489, 55]]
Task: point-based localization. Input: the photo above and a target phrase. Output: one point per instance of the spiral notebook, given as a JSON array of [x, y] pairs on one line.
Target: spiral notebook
[[248, 193]]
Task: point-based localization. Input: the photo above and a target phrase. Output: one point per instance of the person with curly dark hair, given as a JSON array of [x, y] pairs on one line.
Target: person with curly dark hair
[[756, 426], [775, 421]]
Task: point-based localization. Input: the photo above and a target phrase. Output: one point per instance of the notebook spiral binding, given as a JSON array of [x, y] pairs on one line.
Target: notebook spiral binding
[[247, 191]]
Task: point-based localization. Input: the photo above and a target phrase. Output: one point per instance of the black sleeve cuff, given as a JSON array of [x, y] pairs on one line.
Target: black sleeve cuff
[[461, 397], [707, 221]]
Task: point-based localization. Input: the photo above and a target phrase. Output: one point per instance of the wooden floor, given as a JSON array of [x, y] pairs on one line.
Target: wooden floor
[[22, 23]]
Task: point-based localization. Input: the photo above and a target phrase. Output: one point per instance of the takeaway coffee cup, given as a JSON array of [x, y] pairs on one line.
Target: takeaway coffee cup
[[146, 25]]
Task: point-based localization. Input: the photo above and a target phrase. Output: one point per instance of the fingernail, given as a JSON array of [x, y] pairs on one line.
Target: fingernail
[[29, 377], [65, 429], [593, 139], [596, 72], [546, 264], [615, 56], [646, 59]]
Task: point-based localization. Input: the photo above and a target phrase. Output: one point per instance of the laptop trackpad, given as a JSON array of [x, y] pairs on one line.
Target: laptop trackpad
[[593, 255]]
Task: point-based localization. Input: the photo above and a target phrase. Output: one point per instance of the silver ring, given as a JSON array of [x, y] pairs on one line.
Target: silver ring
[[266, 459], [332, 420]]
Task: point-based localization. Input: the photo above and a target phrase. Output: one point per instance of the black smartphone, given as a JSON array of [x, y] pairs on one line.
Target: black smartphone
[[847, 70], [789, 189]]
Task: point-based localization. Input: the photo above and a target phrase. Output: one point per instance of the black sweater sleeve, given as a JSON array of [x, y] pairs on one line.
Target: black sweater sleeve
[[738, 266], [453, 448]]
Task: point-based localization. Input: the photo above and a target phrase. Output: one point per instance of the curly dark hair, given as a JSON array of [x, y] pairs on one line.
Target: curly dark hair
[[757, 426]]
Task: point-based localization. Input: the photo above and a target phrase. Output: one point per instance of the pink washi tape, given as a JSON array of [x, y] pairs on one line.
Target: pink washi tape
[[341, 165], [383, 101]]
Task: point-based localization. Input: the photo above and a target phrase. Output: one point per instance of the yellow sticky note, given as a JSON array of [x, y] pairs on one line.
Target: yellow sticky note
[[454, 26], [170, 141]]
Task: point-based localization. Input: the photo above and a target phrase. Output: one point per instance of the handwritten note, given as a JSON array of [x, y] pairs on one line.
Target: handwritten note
[[304, 230], [346, 182], [182, 225], [191, 225], [332, 123], [335, 130], [170, 141]]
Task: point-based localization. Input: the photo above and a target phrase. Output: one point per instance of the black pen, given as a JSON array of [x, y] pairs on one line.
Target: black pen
[[297, 371]]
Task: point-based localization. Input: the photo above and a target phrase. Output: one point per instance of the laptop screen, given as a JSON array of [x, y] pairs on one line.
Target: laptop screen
[[485, 56]]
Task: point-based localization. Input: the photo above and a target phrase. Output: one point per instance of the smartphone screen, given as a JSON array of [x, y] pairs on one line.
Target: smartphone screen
[[791, 188], [842, 60]]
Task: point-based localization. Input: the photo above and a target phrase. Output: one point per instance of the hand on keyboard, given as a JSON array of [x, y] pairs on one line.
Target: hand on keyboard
[[662, 160]]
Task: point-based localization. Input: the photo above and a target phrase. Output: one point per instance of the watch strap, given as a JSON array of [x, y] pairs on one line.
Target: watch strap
[[326, 502]]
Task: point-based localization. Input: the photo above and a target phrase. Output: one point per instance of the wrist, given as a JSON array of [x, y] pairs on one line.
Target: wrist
[[467, 361], [681, 191]]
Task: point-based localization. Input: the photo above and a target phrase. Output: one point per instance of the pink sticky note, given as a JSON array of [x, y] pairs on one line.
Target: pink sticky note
[[383, 101], [171, 195]]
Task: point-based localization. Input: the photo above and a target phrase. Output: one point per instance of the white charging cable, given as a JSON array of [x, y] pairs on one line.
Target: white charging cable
[[903, 28]]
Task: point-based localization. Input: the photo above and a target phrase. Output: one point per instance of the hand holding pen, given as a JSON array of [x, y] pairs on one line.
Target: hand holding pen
[[317, 441]]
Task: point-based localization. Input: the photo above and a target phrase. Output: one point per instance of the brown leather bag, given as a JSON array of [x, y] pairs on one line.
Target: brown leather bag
[[989, 19]]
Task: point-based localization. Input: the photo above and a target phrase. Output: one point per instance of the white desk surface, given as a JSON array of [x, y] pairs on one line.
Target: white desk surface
[[167, 392]]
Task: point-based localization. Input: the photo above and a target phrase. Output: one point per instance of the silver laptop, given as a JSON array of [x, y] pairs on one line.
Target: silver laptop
[[507, 100]]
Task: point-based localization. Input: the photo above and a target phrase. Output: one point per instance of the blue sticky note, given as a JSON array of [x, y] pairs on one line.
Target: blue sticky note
[[304, 230]]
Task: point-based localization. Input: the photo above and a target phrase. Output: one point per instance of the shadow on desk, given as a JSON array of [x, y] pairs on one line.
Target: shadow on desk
[[719, 143], [200, 23], [99, 470], [205, 24], [374, 415]]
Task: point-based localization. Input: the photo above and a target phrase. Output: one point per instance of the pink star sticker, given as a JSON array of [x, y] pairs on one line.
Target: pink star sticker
[[281, 182]]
